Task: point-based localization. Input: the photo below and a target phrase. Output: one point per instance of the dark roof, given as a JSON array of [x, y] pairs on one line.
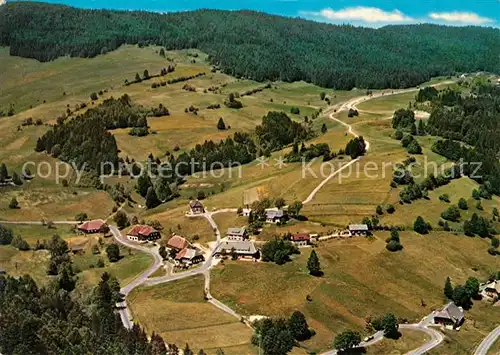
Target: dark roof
[[195, 204], [452, 312]]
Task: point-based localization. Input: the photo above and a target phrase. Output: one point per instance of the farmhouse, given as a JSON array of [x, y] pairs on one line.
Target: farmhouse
[[275, 216], [301, 239], [177, 243], [359, 229], [246, 212], [491, 289], [237, 234], [196, 207], [451, 315], [94, 226], [142, 233], [244, 249], [189, 256]]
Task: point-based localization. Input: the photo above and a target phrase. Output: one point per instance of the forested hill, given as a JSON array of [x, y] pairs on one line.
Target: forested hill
[[257, 45]]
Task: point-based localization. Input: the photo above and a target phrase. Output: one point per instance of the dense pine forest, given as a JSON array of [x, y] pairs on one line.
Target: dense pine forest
[[471, 119], [258, 46]]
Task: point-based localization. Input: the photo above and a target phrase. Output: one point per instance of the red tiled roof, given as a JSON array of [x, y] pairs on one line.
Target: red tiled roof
[[141, 230], [186, 254], [96, 224], [301, 237], [177, 242]]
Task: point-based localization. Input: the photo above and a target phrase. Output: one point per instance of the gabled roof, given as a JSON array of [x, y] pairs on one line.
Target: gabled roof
[[493, 285], [236, 231], [301, 237], [141, 230], [95, 224], [452, 312], [177, 242], [186, 253], [274, 214], [195, 204], [358, 227], [241, 247]]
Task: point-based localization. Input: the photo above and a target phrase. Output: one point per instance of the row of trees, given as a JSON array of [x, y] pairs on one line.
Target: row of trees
[[462, 295]]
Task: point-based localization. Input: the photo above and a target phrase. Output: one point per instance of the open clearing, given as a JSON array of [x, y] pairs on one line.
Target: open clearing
[[179, 313]]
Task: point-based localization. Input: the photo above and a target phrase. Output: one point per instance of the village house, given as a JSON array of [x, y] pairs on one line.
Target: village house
[[178, 243], [237, 234], [189, 257], [301, 239], [94, 226], [196, 207], [143, 233], [490, 290], [359, 229], [275, 216], [243, 249], [450, 316], [246, 212]]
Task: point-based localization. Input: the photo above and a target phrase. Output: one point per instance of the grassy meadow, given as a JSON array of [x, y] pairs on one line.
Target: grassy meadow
[[179, 313], [361, 279]]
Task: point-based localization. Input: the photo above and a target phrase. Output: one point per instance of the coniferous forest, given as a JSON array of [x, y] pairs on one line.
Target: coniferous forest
[[258, 46]]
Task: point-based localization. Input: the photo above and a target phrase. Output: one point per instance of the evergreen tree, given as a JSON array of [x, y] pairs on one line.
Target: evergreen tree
[[121, 219], [143, 184], [137, 77], [448, 289], [313, 264], [462, 204], [146, 74], [16, 179], [324, 129], [152, 200], [298, 326], [13, 203], [379, 210], [221, 125], [4, 174]]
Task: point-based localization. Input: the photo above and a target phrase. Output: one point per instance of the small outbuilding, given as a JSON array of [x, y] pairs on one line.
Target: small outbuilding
[[359, 229], [196, 207]]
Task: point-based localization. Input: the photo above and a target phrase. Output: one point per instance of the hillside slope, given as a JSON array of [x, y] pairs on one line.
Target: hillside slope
[[258, 45]]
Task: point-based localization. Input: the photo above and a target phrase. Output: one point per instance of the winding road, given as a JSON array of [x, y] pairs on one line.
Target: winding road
[[144, 278]]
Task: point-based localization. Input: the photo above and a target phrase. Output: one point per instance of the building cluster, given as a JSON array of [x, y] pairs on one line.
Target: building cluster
[[185, 253]]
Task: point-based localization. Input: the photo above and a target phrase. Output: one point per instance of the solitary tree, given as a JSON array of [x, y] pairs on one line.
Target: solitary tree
[[448, 289], [346, 340], [462, 204], [379, 210], [16, 179], [146, 74], [298, 326], [324, 129], [313, 264], [322, 95], [13, 203], [113, 252], [121, 219], [420, 226], [93, 96], [4, 174], [221, 125]]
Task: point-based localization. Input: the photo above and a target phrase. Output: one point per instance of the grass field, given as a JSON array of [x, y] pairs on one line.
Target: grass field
[[408, 341], [178, 312], [361, 279], [32, 262]]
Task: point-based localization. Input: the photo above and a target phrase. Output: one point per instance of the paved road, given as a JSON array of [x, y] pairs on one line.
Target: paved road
[[125, 315], [34, 223], [487, 342]]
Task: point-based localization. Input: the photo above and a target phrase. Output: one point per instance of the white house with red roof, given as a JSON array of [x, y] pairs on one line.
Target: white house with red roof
[[301, 239], [142, 233], [94, 226]]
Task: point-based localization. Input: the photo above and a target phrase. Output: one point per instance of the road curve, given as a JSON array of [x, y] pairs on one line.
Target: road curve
[[487, 342], [436, 338]]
